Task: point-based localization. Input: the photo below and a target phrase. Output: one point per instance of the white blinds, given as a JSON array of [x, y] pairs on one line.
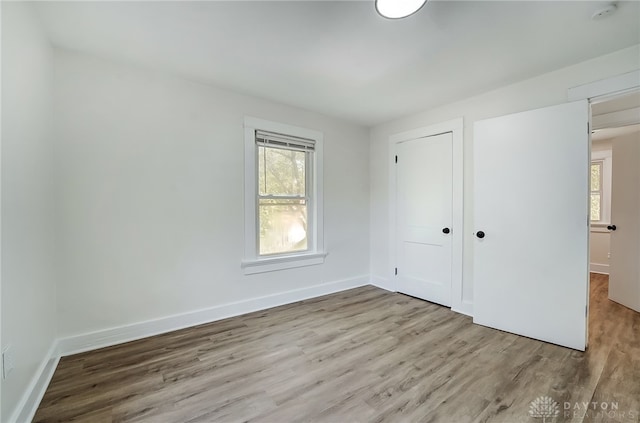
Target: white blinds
[[287, 142]]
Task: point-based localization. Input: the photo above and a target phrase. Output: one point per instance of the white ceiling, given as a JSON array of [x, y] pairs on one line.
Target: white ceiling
[[338, 57], [608, 133]]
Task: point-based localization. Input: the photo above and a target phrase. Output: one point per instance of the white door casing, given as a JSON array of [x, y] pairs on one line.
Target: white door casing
[[424, 217], [460, 300], [531, 189], [624, 277]]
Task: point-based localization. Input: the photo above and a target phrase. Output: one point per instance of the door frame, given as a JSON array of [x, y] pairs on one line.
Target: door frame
[[456, 128], [605, 89], [612, 120], [597, 92]]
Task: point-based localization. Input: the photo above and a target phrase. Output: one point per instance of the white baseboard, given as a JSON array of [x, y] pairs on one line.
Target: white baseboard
[[599, 268], [466, 307], [28, 405], [382, 283], [118, 335]]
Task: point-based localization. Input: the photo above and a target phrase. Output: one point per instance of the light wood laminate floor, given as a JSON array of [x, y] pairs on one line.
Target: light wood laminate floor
[[364, 355]]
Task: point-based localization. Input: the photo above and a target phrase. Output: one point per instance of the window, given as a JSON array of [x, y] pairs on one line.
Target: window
[[596, 190], [284, 180], [283, 196], [600, 187]]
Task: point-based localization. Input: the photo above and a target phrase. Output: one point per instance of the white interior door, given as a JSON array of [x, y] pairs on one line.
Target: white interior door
[[424, 173], [531, 188], [624, 277]]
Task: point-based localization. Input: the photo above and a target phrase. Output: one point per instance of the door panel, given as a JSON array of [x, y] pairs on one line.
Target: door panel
[[531, 201], [624, 277], [424, 208]]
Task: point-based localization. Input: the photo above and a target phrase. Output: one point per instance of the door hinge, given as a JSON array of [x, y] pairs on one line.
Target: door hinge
[[396, 159], [588, 128], [396, 271], [586, 311]]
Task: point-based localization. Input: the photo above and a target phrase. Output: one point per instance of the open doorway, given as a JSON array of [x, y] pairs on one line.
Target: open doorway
[[615, 201]]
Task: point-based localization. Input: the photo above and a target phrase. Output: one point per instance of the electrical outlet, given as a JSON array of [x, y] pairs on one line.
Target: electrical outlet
[[8, 362]]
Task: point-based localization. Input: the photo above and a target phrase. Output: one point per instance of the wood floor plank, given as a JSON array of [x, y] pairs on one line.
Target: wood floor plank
[[363, 355]]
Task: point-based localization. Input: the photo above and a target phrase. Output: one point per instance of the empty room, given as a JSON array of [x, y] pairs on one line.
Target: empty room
[[320, 211]]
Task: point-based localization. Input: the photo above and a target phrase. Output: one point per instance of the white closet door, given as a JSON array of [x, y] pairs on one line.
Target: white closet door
[[424, 216]]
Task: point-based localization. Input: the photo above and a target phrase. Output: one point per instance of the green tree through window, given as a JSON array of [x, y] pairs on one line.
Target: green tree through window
[[282, 199]]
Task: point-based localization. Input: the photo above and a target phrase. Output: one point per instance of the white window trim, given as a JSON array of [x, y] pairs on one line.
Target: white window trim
[[315, 254], [604, 156]]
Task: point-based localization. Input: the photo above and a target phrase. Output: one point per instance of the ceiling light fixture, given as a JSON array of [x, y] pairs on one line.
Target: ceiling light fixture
[[396, 9]]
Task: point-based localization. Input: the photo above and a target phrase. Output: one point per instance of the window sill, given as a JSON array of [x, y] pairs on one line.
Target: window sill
[[271, 264]]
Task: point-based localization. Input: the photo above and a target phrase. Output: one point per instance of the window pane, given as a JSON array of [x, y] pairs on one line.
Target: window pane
[[595, 207], [281, 172], [283, 226], [595, 176], [262, 187]]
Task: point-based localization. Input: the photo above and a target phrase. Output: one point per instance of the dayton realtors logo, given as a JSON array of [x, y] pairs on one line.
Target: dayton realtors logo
[[598, 410], [545, 407]]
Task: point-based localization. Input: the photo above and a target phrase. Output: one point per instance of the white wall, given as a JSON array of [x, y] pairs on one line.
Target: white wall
[[151, 197], [602, 146], [599, 247], [28, 283], [541, 91]]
